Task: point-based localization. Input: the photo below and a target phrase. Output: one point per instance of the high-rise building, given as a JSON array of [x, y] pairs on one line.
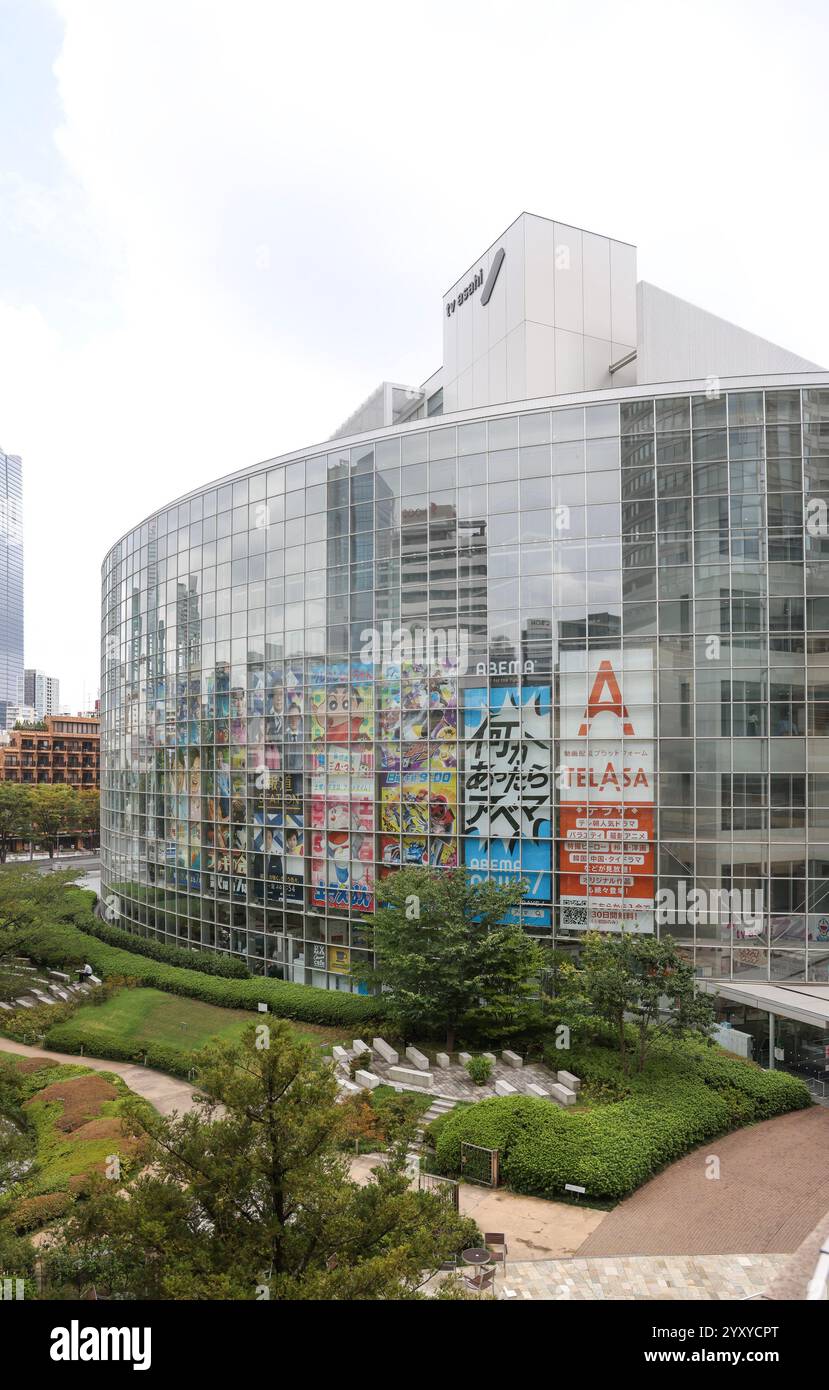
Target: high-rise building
[[41, 691], [11, 581], [560, 614]]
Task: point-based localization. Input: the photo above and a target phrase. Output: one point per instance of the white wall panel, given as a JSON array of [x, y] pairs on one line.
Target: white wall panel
[[539, 240], [568, 279], [596, 292], [541, 360], [569, 361], [623, 292]]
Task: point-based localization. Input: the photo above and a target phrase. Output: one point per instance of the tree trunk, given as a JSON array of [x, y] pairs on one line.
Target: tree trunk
[[622, 1045], [450, 1038]]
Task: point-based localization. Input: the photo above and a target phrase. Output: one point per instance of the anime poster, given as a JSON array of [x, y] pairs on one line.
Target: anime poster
[[277, 864], [508, 792], [419, 851], [342, 786], [606, 814], [342, 869], [419, 802], [341, 705]]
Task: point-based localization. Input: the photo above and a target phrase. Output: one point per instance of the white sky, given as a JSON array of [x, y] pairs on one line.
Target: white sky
[[222, 222]]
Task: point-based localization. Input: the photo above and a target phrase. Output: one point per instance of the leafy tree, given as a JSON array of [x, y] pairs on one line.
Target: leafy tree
[[29, 900], [251, 1192], [53, 811], [88, 813], [15, 815], [447, 960], [627, 978]]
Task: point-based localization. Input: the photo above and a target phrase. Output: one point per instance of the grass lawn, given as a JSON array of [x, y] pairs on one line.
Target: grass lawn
[[151, 1016]]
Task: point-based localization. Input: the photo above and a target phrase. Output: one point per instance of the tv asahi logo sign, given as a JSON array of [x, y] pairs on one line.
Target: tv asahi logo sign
[[475, 284]]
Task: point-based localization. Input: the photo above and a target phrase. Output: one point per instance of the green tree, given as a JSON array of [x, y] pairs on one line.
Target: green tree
[[628, 979], [29, 900], [15, 816], [88, 814], [53, 811], [251, 1191], [445, 957]]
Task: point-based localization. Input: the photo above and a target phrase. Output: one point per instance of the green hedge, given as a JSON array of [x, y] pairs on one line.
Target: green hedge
[[63, 943], [206, 962], [71, 1036], [688, 1094]]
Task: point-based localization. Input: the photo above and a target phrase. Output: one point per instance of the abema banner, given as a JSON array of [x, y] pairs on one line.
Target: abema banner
[[605, 780], [507, 808]]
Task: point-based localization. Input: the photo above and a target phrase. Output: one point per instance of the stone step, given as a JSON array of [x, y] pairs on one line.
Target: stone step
[[25, 1003]]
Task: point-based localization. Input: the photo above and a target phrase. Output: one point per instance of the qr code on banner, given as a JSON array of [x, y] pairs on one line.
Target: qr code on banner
[[574, 917]]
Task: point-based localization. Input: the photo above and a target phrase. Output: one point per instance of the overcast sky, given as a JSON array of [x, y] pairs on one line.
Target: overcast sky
[[222, 222]]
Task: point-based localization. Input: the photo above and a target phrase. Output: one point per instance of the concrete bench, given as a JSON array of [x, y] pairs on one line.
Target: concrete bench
[[490, 1057], [366, 1080], [388, 1054], [340, 1056], [422, 1063], [464, 1057], [24, 1003], [408, 1076], [566, 1078], [512, 1059], [44, 998], [60, 975], [443, 1060], [537, 1091], [562, 1095], [358, 1047], [505, 1088], [349, 1088]]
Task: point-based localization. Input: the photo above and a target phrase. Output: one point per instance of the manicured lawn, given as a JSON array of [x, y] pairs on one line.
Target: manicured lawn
[[150, 1016]]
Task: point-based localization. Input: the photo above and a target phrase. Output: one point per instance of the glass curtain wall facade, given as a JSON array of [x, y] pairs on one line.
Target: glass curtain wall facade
[[11, 581], [584, 646]]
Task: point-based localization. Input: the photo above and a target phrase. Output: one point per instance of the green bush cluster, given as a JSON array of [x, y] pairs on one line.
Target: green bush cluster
[[71, 1036], [688, 1093], [63, 943], [30, 1026], [479, 1069], [30, 1213]]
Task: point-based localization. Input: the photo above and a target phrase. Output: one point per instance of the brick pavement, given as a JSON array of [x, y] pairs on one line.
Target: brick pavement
[[773, 1189]]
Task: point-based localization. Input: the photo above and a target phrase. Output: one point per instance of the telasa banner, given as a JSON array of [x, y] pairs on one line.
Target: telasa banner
[[606, 790]]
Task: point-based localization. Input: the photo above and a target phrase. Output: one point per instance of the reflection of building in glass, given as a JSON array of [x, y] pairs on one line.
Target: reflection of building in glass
[[11, 584], [575, 632]]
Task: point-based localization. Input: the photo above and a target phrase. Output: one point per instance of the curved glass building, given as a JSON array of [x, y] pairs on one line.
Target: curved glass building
[[561, 614]]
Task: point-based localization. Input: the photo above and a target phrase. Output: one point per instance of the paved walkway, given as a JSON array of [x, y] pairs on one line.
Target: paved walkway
[[773, 1189], [534, 1228], [165, 1093], [670, 1278]]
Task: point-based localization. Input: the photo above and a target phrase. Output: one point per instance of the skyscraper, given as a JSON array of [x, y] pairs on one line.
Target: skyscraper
[[40, 691], [11, 580]]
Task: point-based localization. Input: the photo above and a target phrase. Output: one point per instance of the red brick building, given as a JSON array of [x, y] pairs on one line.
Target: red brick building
[[67, 750]]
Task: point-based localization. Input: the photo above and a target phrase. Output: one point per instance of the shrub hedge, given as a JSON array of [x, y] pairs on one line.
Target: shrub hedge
[[71, 1036], [688, 1094], [63, 943], [206, 962]]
